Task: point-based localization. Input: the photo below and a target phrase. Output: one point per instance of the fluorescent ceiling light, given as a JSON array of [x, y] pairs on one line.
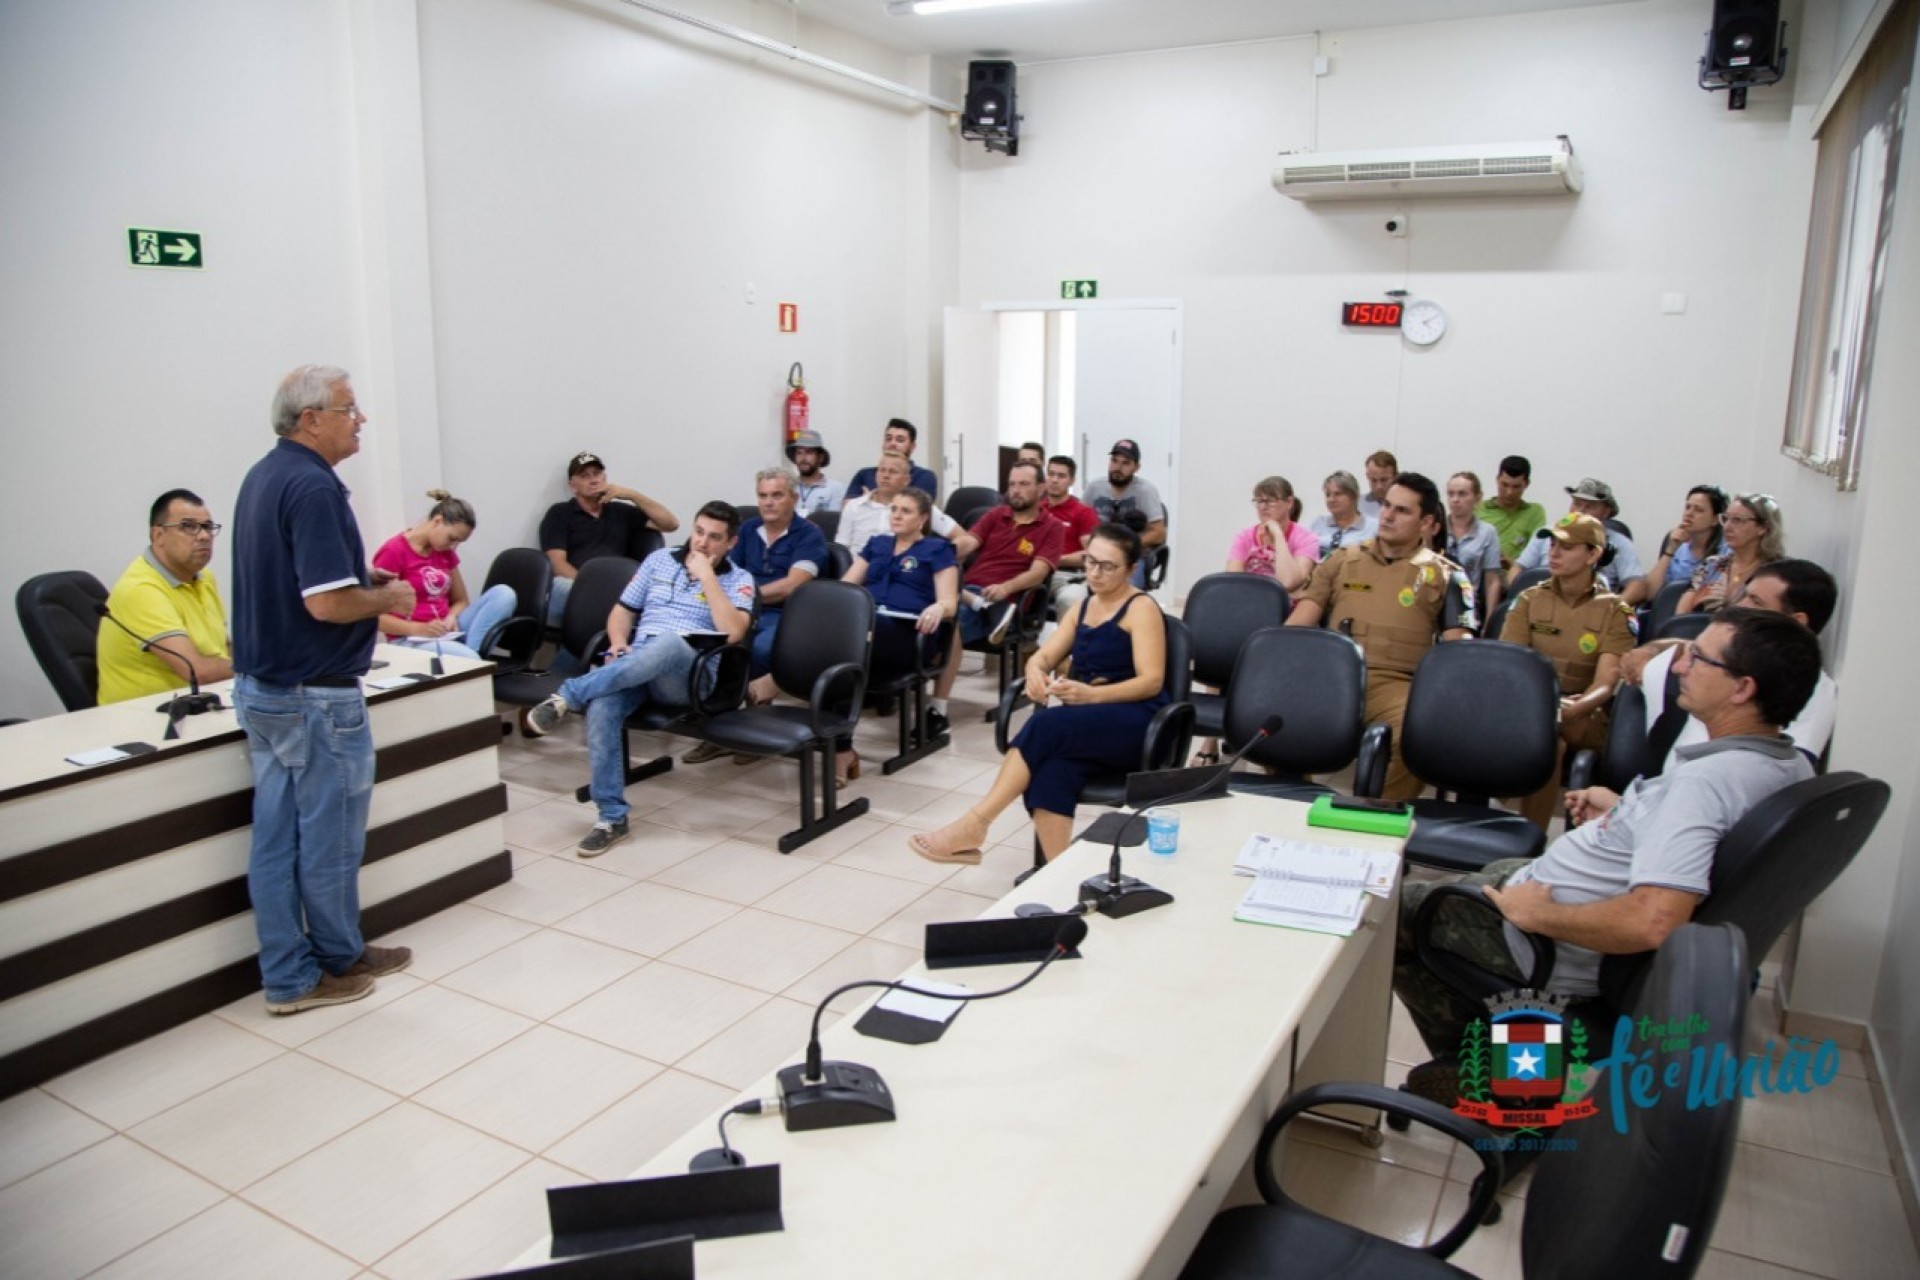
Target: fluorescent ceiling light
[[927, 8]]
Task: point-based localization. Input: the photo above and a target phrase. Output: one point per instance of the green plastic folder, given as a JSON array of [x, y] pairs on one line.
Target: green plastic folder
[[1395, 823]]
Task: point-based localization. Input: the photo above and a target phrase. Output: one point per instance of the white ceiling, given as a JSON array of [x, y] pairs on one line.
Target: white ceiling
[[1081, 28]]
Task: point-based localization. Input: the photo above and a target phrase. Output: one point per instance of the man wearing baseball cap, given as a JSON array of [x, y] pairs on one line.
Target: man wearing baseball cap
[[1584, 629], [600, 519], [808, 454], [1124, 498], [1590, 498]]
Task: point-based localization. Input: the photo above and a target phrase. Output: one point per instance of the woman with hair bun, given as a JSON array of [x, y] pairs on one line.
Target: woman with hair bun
[[426, 558]]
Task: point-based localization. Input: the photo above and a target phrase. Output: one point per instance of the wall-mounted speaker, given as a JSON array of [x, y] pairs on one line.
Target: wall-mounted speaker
[[990, 115]]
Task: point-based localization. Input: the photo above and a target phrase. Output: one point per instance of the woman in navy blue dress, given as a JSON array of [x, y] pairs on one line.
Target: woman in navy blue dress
[[1098, 681], [909, 571]]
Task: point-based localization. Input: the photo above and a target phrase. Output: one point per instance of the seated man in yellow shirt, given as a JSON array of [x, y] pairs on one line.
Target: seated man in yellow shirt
[[166, 595]]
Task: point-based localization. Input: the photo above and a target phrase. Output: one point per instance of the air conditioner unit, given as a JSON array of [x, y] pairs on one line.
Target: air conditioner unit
[[1498, 168]]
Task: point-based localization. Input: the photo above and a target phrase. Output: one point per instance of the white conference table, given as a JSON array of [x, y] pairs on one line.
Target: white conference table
[[1091, 1123], [123, 902]]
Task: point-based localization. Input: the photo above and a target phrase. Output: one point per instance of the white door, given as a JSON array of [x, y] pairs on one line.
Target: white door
[[1126, 385], [970, 399]]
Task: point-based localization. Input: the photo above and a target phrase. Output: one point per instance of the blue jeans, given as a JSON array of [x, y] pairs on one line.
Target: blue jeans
[[761, 648], [557, 601], [312, 756], [655, 671], [495, 605]]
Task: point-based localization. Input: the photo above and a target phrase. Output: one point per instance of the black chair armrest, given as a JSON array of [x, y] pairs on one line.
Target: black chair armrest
[[1580, 772], [1011, 699], [717, 681], [1458, 973], [1169, 738], [1370, 768], [835, 699], [596, 652], [1475, 1136], [518, 636]]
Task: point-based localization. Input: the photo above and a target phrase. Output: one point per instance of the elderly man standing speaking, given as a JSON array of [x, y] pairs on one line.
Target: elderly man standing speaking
[[304, 605]]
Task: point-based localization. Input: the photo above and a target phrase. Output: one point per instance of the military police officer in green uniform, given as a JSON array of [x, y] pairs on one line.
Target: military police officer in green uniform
[[1584, 629], [1395, 596]]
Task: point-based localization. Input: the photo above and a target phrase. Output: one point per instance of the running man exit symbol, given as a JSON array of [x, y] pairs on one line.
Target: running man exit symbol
[[151, 248], [1079, 289]]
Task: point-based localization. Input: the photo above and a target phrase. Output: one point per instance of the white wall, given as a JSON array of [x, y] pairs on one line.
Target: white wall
[[528, 226], [1150, 173]]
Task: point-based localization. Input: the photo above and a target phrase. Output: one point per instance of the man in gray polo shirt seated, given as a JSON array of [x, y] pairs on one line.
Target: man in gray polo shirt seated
[[1639, 864]]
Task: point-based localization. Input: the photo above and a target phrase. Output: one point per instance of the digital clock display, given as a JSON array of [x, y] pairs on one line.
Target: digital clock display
[[1370, 315]]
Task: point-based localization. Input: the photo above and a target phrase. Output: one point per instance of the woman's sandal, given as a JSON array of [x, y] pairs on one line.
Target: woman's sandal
[[1202, 759], [842, 776], [923, 844]]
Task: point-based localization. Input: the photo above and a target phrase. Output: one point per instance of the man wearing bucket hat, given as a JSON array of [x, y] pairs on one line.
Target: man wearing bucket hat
[[808, 454], [1584, 629], [1591, 498]]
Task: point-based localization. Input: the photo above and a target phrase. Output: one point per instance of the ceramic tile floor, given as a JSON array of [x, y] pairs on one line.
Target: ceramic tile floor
[[568, 1025]]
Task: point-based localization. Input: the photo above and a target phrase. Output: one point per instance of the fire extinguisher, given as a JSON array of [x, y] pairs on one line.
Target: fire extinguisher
[[796, 404]]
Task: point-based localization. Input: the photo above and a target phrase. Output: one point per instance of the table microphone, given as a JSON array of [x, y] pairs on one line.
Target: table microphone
[[1120, 895], [178, 706]]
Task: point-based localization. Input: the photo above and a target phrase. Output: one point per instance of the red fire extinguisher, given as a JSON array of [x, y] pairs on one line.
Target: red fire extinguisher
[[796, 404]]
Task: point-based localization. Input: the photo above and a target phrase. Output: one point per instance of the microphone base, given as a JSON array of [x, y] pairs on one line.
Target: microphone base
[[846, 1093], [191, 704], [1129, 897]]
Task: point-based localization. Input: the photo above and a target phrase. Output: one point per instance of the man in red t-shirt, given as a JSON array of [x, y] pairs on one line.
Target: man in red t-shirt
[[1069, 582], [1019, 546]]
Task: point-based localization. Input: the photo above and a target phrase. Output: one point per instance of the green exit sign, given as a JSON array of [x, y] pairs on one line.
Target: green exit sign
[[1079, 288], [148, 247]]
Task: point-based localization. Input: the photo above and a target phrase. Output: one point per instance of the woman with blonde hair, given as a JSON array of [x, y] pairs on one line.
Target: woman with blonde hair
[[1756, 534], [426, 557]]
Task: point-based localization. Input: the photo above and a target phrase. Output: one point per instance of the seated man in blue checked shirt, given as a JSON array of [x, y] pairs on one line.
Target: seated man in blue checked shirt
[[674, 594]]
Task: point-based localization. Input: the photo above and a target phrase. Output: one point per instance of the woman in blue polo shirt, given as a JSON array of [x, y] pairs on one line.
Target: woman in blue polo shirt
[[915, 580]]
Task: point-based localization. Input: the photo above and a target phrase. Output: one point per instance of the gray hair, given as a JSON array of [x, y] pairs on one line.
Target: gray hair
[[1773, 524], [305, 388], [785, 475], [1343, 481]]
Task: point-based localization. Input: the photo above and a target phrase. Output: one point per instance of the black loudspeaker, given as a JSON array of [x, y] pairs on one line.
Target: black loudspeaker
[[1746, 34], [990, 115], [1746, 47]]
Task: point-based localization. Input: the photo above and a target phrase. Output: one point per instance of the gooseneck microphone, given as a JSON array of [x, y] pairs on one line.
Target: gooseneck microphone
[[827, 1095], [1115, 894], [179, 706]]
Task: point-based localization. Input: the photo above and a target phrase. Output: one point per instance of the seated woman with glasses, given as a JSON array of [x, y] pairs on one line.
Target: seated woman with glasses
[[1097, 682], [1755, 534], [915, 579], [426, 558], [1274, 546], [1344, 524]]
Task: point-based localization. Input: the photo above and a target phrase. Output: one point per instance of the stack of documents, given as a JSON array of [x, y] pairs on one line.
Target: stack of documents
[[1319, 887]]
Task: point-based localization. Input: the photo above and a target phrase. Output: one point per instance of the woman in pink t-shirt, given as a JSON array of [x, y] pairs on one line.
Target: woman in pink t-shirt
[[1275, 547], [425, 558]]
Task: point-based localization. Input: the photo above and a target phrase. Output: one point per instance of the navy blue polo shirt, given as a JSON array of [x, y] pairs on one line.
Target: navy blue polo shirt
[[919, 477], [802, 543], [294, 536]]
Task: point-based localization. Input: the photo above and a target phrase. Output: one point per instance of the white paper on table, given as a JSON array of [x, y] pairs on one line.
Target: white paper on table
[[927, 1008]]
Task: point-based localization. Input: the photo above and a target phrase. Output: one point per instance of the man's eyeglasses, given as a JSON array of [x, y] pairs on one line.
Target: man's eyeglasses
[[194, 528], [1694, 654], [351, 410]]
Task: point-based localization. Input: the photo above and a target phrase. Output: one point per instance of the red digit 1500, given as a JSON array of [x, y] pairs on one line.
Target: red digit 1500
[[1370, 315]]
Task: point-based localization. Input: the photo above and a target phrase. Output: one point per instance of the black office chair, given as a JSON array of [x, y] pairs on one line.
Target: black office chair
[[909, 691], [514, 643], [828, 522], [1029, 615], [1482, 721], [583, 632], [970, 502], [1317, 682], [1661, 610], [1165, 745], [1222, 610], [748, 511], [820, 657], [1684, 626], [651, 540], [1635, 1200], [839, 560], [60, 614], [1527, 578]]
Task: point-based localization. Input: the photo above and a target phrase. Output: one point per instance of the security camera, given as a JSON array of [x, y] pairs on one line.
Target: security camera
[[1396, 225]]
